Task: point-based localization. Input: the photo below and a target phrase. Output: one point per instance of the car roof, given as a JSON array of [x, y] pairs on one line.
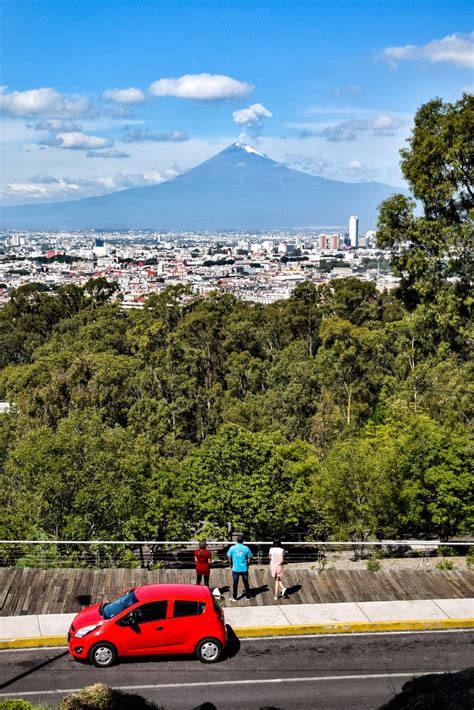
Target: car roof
[[152, 592]]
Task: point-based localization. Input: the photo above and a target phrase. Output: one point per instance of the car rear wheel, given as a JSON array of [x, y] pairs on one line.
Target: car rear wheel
[[209, 650], [103, 655]]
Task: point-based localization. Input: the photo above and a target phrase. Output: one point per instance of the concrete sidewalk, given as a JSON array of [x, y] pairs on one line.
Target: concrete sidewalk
[[276, 620]]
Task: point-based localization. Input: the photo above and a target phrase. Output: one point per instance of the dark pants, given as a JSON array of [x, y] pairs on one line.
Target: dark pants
[[199, 576], [245, 579]]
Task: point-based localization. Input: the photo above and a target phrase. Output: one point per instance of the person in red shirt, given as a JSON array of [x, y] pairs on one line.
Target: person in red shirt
[[203, 563]]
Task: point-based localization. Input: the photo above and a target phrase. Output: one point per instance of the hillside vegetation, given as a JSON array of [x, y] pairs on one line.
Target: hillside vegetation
[[341, 412]]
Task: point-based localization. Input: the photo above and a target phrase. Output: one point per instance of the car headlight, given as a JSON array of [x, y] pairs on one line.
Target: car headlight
[[85, 630]]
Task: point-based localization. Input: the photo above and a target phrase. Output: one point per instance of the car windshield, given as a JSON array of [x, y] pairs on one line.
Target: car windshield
[[111, 609]]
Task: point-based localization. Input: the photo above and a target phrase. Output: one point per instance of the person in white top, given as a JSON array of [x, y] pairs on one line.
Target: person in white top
[[277, 559]]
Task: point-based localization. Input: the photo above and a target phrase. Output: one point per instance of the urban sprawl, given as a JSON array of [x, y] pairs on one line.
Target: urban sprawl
[[260, 267]]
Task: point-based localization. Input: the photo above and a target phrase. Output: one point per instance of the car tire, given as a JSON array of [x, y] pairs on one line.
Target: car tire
[[103, 655], [209, 650]]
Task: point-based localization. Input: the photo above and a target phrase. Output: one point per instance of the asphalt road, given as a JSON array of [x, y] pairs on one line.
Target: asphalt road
[[317, 672]]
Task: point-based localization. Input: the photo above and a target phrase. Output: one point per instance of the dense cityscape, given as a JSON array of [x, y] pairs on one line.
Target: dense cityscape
[[258, 267]]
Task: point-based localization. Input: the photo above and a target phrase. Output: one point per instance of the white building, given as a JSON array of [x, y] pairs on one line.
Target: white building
[[354, 231], [100, 249]]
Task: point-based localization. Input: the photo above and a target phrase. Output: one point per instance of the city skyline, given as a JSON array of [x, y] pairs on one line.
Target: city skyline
[[98, 97]]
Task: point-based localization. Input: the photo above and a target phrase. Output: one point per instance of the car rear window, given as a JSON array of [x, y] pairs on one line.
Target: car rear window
[[188, 608]]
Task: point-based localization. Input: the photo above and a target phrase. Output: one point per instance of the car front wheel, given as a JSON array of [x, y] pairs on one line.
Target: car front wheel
[[209, 650], [103, 655]]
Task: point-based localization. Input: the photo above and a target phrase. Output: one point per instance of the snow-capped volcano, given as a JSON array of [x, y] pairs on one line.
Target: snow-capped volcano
[[239, 188], [247, 149]]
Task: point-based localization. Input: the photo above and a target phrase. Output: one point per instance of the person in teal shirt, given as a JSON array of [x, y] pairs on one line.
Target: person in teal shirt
[[239, 557]]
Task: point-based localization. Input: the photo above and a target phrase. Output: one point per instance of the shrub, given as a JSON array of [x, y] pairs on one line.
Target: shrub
[[101, 697], [470, 558], [373, 564], [18, 704], [446, 565]]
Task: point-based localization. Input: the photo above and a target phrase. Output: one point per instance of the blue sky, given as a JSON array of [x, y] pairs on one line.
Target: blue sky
[[105, 94]]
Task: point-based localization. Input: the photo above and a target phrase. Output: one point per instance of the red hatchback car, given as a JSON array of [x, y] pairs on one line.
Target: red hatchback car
[[155, 619]]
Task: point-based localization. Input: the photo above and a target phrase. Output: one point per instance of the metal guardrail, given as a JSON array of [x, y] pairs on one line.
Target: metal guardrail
[[179, 554], [318, 543]]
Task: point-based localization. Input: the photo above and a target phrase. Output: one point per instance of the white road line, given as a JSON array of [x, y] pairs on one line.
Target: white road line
[[217, 683], [285, 636]]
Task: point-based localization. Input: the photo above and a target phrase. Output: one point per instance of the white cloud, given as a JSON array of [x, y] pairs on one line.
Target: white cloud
[[349, 90], [251, 119], [124, 96], [42, 102], [457, 49], [201, 87], [381, 125], [44, 179], [114, 153], [75, 140], [138, 135], [353, 170], [55, 125]]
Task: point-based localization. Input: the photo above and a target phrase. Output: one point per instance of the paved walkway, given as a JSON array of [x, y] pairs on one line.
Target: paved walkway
[[54, 591], [279, 618]]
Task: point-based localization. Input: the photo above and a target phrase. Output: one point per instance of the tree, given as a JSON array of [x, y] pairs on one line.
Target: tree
[[438, 245], [351, 361], [100, 290], [436, 465], [357, 491], [439, 163], [250, 479], [82, 480]]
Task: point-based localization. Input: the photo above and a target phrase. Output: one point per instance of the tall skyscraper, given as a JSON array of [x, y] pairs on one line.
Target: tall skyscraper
[[354, 231]]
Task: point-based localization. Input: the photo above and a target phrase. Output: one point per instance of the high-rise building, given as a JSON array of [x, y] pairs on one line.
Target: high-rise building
[[354, 231]]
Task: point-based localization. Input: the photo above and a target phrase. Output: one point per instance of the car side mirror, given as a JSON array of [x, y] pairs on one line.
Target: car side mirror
[[132, 619]]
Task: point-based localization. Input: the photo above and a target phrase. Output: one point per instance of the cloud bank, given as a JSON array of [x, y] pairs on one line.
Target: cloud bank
[[47, 188]]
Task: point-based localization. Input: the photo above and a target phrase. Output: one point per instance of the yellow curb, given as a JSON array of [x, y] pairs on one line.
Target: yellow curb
[[337, 627], [34, 642], [340, 627]]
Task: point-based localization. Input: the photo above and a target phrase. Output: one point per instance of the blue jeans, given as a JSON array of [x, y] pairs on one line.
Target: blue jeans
[[245, 579]]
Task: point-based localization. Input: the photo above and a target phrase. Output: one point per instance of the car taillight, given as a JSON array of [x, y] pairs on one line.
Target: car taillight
[[218, 610]]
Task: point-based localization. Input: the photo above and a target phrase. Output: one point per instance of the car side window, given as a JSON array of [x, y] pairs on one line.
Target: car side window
[[188, 608], [154, 611]]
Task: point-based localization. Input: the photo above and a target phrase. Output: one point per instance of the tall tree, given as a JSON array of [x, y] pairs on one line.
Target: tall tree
[[436, 246]]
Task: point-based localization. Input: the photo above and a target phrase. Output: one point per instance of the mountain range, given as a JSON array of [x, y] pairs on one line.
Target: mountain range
[[237, 189]]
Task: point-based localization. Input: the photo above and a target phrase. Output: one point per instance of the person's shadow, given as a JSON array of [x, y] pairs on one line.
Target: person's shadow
[[255, 591], [292, 590]]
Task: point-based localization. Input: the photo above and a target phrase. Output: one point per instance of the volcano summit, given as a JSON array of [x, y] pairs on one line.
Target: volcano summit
[[239, 188]]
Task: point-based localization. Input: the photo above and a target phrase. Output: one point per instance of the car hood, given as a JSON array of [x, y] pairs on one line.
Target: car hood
[[87, 617]]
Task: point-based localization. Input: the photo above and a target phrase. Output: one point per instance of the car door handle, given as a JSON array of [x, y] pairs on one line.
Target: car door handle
[[159, 628]]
